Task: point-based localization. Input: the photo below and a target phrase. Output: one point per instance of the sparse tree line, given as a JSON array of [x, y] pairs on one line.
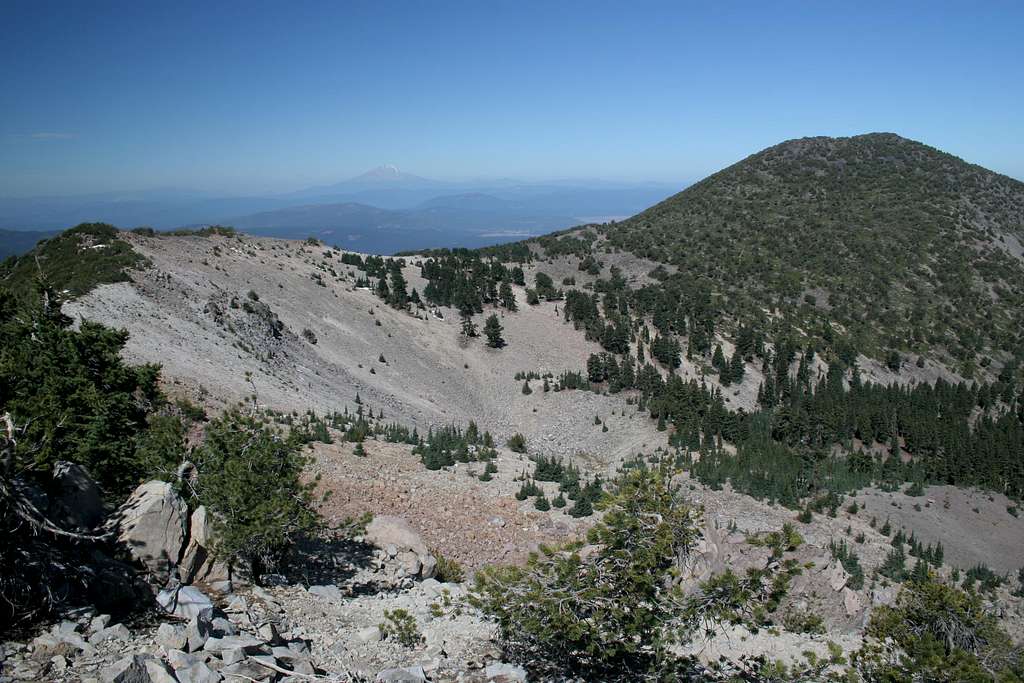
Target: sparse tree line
[[965, 434]]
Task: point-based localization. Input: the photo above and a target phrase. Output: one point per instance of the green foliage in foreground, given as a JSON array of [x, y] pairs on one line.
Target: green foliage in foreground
[[612, 611], [937, 632], [75, 397]]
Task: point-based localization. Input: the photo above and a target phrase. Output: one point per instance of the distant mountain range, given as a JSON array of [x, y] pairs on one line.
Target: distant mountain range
[[382, 210], [14, 242]]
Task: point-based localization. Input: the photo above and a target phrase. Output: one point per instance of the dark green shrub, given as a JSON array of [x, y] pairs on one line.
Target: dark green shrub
[[249, 476], [517, 443]]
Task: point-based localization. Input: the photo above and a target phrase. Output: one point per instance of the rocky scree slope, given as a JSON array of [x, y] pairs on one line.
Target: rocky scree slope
[[190, 310]]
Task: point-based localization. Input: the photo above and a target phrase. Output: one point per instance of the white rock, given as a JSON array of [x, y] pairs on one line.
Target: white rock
[[409, 674], [329, 593], [268, 632], [99, 623], [179, 659], [197, 563], [185, 602], [58, 663], [370, 634], [223, 627], [500, 672], [199, 629], [431, 587]]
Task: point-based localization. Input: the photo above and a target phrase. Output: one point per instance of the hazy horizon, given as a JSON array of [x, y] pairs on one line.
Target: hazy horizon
[[235, 100]]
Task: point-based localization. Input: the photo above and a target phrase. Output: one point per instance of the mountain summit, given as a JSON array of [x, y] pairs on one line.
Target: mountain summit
[[388, 173], [874, 241]]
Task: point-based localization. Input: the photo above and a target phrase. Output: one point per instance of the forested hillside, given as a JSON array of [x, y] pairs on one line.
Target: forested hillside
[[872, 242], [791, 267]]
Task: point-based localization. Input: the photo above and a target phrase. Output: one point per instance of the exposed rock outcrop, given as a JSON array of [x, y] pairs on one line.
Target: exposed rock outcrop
[[400, 541], [198, 564], [152, 525]]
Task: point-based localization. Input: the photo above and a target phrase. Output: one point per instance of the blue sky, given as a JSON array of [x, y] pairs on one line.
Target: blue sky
[[251, 97]]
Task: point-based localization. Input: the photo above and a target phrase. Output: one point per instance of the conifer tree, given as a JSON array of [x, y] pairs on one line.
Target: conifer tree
[[468, 326], [718, 362], [493, 330], [398, 298], [383, 291], [506, 296], [736, 367]]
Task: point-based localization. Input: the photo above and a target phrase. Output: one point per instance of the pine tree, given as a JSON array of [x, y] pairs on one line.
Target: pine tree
[[398, 297], [383, 291], [507, 298], [493, 330], [893, 566], [736, 367], [718, 362], [468, 326], [582, 508]]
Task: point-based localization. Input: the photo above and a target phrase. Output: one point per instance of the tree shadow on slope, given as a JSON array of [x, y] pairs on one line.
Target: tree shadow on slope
[[328, 560]]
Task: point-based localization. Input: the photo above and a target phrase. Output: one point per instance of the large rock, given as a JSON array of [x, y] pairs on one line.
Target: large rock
[[79, 498], [851, 602], [329, 593], [197, 672], [397, 538], [199, 629], [197, 562], [247, 644], [159, 672], [151, 525], [171, 637], [837, 576], [385, 530], [247, 669], [131, 669]]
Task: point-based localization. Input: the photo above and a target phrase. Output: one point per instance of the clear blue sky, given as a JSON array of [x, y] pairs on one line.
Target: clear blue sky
[[251, 96]]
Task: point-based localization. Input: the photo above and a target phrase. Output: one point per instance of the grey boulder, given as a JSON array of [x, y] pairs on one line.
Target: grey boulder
[[151, 525]]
